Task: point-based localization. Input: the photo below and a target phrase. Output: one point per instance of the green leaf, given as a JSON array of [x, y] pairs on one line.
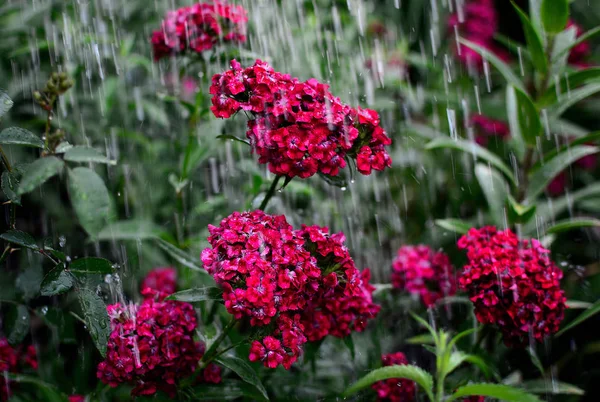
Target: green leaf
[[96, 318], [572, 98], [563, 87], [5, 102], [592, 310], [498, 391], [534, 42], [421, 339], [349, 343], [90, 199], [570, 224], [494, 60], [583, 38], [555, 14], [407, 371], [38, 172], [180, 256], [551, 387], [63, 147], [234, 138], [10, 184], [540, 177], [456, 359], [585, 140], [244, 370], [130, 230], [86, 154], [483, 366], [20, 239], [50, 392], [56, 282], [20, 136], [475, 150], [495, 189], [523, 117], [17, 324], [518, 213], [453, 225], [197, 294], [577, 304], [91, 265], [562, 41]]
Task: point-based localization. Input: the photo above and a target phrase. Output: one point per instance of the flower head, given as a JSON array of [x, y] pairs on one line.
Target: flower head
[[421, 271], [14, 360], [302, 283], [486, 128], [159, 283], [395, 389], [512, 283], [151, 346], [298, 128], [199, 28]]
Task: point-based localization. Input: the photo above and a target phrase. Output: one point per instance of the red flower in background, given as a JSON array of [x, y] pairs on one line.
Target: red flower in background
[[159, 283], [151, 346], [395, 389], [486, 128], [301, 282], [76, 398], [199, 28], [299, 128], [421, 271], [581, 52], [476, 21], [512, 283], [13, 360]]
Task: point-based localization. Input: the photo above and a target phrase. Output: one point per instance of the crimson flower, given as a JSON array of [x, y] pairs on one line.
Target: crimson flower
[[13, 360], [513, 284], [159, 283]]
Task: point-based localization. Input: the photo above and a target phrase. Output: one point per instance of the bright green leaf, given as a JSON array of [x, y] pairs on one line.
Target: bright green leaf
[[234, 138], [56, 282], [561, 88], [96, 318], [540, 177], [17, 324], [562, 41], [523, 117], [574, 96], [518, 213], [495, 190], [20, 136], [551, 387], [570, 224], [475, 150], [494, 60], [244, 370], [91, 265], [453, 225], [555, 14], [20, 239], [90, 199], [497, 391], [38, 172], [534, 42], [197, 294], [583, 38], [592, 310], [86, 154], [408, 372]]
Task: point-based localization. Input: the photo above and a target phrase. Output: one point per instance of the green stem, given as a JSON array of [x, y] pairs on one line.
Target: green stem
[[5, 160], [211, 352], [524, 183], [269, 194], [13, 208]]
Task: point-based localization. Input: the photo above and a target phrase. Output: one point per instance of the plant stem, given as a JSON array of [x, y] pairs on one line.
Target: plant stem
[[211, 352], [527, 163], [269, 194], [13, 208], [5, 160]]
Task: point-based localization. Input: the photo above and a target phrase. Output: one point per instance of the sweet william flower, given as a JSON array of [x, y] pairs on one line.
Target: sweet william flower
[[513, 284], [395, 389], [423, 272], [159, 282], [303, 284], [298, 128], [14, 360]]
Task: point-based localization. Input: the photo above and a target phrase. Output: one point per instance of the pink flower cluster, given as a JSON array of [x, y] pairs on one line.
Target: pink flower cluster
[[486, 128], [421, 271], [159, 283], [512, 283], [580, 53], [199, 28], [76, 398], [152, 345], [13, 360], [302, 283], [395, 389], [477, 23], [299, 128]]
